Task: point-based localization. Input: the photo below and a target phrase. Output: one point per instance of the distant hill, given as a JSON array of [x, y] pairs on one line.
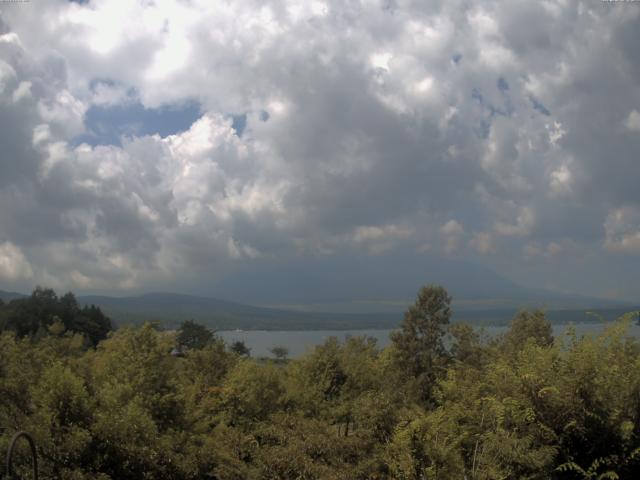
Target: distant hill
[[8, 296], [481, 297], [360, 284], [170, 309]]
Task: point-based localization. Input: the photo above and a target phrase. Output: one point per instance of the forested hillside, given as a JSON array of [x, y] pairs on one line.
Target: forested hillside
[[521, 406]]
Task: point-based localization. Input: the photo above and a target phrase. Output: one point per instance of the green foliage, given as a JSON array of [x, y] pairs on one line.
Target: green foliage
[[528, 326], [193, 335], [419, 346], [240, 348], [280, 353], [35, 315], [427, 447], [522, 406], [466, 345], [251, 392]]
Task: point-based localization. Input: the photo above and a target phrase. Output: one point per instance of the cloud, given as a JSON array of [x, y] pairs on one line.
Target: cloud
[[452, 228], [452, 232], [535, 250], [522, 226], [106, 94], [560, 180], [622, 230], [633, 121], [482, 242], [374, 240], [366, 127], [13, 264]]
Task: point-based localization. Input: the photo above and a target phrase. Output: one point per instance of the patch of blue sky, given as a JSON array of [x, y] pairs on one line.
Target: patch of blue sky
[[539, 106], [477, 96], [502, 85], [107, 125], [239, 123], [483, 129]]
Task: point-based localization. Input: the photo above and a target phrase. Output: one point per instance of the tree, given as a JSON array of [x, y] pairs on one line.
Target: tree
[[3, 315], [33, 315], [419, 346], [193, 335], [280, 353], [528, 326], [466, 345], [27, 315], [427, 447], [252, 392], [93, 323], [240, 348]]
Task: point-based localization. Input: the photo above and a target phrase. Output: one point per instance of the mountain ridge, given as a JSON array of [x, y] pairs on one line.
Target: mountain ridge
[[170, 309], [6, 296], [328, 293]]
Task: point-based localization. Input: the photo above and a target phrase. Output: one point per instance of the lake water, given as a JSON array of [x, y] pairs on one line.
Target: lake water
[[300, 342]]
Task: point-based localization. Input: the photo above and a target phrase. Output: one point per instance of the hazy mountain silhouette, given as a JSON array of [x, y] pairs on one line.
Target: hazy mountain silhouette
[[8, 296], [391, 278], [346, 293], [172, 308]]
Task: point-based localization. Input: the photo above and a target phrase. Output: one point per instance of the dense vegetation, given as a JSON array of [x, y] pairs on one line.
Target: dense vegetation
[[44, 311], [522, 406]]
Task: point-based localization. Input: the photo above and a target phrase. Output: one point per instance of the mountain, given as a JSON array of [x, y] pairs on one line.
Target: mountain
[[170, 309], [382, 283], [8, 296], [354, 292]]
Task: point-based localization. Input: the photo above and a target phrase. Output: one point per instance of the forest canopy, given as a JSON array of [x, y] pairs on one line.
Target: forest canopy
[[44, 311], [441, 402]]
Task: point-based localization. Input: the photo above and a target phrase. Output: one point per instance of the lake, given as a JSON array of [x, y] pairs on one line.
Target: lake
[[300, 342]]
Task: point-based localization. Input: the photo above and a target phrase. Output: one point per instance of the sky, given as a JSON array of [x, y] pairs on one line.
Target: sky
[[172, 144]]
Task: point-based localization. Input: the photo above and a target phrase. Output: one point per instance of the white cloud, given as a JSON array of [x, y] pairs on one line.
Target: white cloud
[[482, 242], [108, 95], [371, 239], [381, 60], [633, 121], [534, 250], [560, 181], [369, 233], [7, 76], [531, 250], [523, 224], [365, 127], [23, 92], [452, 227], [622, 230], [64, 112], [452, 231], [13, 264]]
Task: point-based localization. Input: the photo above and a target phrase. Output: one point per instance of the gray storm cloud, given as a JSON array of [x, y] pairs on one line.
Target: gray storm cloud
[[506, 133]]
